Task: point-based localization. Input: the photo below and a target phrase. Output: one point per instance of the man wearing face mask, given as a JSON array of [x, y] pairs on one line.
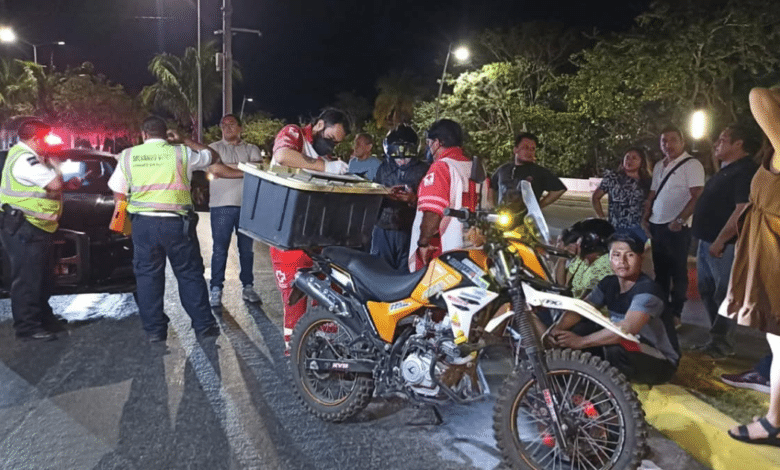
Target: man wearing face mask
[[402, 171], [308, 148], [446, 185]]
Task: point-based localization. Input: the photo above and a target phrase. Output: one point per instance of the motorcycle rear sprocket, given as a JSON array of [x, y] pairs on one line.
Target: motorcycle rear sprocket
[[330, 395], [602, 412]]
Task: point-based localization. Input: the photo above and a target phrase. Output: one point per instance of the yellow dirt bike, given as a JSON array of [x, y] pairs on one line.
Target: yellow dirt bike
[[379, 333]]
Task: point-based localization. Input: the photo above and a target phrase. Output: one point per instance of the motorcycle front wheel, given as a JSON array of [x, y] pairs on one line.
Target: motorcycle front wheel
[[329, 395], [603, 421]]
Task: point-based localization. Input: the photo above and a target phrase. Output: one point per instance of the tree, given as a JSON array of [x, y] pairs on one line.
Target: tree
[[677, 59], [176, 89], [357, 108], [398, 93], [493, 105]]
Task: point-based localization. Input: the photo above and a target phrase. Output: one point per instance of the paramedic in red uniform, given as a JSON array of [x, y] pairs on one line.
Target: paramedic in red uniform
[[307, 148], [445, 185]]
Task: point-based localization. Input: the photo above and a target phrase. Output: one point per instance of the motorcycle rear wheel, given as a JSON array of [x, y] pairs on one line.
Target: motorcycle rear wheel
[[605, 421], [330, 395]]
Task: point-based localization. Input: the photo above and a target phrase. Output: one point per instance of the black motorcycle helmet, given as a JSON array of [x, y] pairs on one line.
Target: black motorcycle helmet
[[401, 142], [592, 233]]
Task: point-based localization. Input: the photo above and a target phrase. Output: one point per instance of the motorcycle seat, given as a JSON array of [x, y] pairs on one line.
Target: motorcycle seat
[[374, 279]]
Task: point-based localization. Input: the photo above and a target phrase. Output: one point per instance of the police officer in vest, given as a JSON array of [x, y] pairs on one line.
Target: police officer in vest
[[31, 204], [154, 178]]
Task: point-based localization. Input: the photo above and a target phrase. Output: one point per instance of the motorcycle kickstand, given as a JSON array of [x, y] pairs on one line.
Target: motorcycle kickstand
[[425, 415]]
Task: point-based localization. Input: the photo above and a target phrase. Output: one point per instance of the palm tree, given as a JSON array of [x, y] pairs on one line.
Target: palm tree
[[18, 88], [176, 89], [398, 93]]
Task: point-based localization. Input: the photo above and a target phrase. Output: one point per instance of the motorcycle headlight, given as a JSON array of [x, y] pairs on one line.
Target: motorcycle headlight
[[504, 220]]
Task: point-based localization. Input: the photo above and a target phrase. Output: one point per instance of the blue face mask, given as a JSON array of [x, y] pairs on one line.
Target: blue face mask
[[428, 155]]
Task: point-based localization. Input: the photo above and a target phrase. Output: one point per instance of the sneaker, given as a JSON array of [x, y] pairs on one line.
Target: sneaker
[[750, 379], [43, 336], [210, 332], [717, 349], [215, 297], [249, 294]]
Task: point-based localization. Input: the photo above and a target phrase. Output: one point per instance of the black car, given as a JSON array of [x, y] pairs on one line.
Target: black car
[[89, 257]]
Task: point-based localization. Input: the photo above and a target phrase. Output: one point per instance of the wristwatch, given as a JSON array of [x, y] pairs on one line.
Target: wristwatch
[[680, 221]]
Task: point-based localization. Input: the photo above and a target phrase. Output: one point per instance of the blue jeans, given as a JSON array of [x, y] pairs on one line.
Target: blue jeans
[[392, 246], [224, 221], [713, 283], [764, 365], [154, 238]]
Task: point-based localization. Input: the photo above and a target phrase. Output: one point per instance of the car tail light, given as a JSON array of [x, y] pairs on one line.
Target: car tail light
[[53, 140]]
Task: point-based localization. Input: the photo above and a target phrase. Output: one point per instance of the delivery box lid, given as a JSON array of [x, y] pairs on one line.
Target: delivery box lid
[[309, 180]]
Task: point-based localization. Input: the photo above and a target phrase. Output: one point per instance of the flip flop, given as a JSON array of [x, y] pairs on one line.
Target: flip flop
[[771, 440]]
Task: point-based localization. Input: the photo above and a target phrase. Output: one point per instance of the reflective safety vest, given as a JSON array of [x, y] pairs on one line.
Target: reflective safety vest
[[40, 208], [156, 174]]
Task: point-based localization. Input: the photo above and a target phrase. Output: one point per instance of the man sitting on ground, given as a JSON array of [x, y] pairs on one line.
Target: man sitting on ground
[[635, 303]]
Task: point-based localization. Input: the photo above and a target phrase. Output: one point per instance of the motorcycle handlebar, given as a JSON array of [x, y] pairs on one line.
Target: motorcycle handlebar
[[458, 214]]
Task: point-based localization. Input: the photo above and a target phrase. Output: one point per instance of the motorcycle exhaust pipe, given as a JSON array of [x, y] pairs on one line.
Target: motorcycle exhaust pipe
[[321, 292]]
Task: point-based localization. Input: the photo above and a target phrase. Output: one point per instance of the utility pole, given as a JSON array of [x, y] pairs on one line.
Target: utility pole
[[227, 57], [199, 130]]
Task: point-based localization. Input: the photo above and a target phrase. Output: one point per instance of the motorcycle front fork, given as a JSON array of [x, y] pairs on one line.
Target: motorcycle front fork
[[530, 343]]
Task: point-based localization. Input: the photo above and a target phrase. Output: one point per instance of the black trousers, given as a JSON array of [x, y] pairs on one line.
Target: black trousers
[[30, 252], [670, 257]]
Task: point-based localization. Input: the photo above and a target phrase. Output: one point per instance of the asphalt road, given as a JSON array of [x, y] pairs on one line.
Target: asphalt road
[[101, 397]]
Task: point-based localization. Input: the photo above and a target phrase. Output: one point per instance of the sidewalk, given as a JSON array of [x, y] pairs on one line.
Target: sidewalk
[[688, 410]]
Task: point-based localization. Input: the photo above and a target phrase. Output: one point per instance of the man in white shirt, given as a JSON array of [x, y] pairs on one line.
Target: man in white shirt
[[678, 181], [225, 208]]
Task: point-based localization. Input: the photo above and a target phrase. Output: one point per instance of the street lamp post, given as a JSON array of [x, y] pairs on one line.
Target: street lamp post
[[243, 103], [7, 35], [461, 54]]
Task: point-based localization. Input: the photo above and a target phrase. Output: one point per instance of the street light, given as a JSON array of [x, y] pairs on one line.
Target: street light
[[698, 129], [242, 106], [461, 55], [7, 35]]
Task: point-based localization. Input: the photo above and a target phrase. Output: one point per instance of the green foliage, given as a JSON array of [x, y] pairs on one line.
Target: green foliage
[[176, 89], [398, 93], [495, 102], [678, 59]]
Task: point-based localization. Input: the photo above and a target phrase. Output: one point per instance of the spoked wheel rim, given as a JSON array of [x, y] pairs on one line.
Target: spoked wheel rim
[[595, 430], [326, 339]]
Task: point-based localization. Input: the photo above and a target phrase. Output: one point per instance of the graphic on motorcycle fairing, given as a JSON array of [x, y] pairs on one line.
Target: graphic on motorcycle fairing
[[528, 256], [387, 315], [462, 305], [438, 278]]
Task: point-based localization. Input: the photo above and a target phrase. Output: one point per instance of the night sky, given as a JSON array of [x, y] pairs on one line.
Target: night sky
[[310, 50]]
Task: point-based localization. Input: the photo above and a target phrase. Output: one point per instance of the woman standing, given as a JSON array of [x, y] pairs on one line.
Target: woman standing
[[627, 188], [754, 299]]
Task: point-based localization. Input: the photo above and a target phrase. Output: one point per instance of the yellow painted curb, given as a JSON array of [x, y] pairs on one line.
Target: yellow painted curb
[[700, 430]]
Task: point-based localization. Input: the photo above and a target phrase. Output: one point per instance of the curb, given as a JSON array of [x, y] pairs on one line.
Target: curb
[[700, 430]]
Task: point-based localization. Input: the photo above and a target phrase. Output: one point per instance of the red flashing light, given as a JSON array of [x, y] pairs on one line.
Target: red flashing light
[[52, 140]]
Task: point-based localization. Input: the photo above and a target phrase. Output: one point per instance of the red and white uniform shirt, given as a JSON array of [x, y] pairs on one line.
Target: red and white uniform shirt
[[287, 263], [445, 185]]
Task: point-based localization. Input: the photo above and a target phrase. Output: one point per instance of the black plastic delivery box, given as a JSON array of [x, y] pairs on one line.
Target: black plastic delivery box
[[308, 209]]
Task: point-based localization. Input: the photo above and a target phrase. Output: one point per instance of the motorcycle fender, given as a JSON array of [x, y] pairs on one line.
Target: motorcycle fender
[[537, 298]]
